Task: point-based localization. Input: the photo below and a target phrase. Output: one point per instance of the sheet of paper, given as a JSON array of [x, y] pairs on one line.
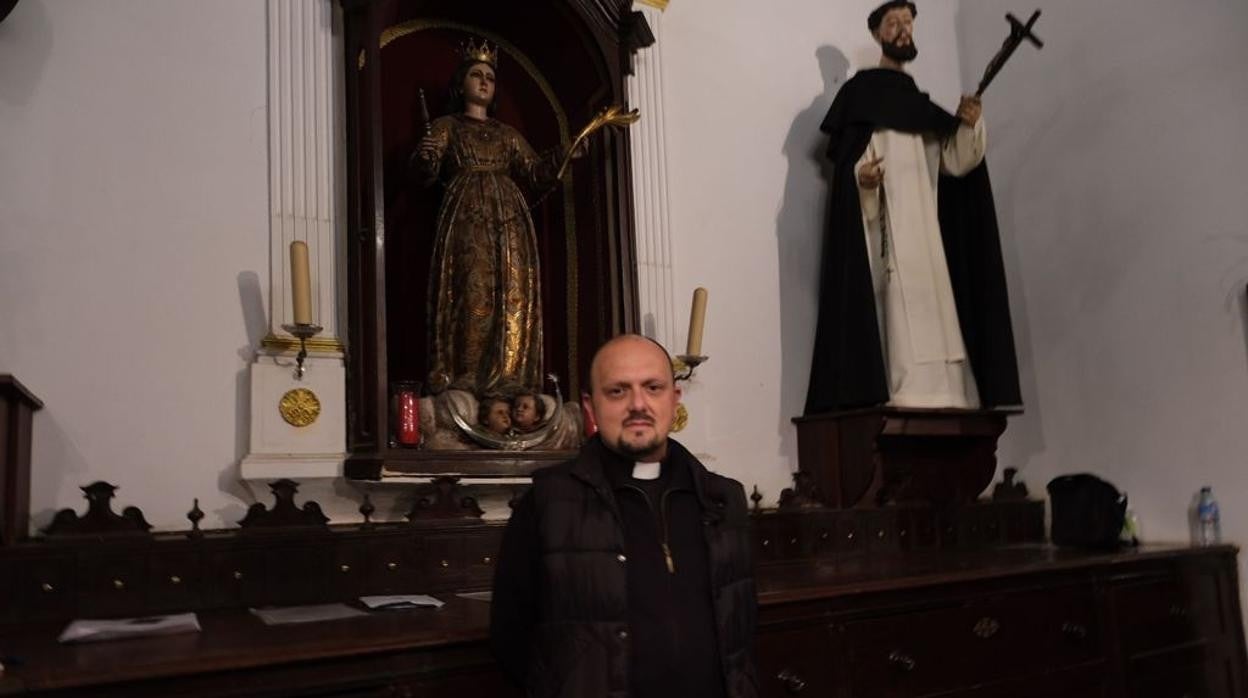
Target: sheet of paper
[[306, 614], [400, 601], [146, 626], [477, 595]]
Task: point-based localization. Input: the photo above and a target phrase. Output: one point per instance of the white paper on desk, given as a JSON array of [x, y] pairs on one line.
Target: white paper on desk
[[400, 601], [305, 614], [95, 630]]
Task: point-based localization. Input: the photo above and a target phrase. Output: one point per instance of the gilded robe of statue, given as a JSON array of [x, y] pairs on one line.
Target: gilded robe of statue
[[484, 302]]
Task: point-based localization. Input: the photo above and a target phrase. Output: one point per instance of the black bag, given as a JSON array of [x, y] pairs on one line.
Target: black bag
[[1087, 512]]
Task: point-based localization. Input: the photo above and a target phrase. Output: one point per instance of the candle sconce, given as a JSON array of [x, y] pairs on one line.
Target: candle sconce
[[304, 331], [684, 365]]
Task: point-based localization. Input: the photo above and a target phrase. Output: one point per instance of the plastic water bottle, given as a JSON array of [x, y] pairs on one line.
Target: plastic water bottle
[[1208, 518]]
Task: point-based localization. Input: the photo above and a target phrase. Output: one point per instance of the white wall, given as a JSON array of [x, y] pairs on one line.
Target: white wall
[[134, 244], [1117, 154], [747, 84]]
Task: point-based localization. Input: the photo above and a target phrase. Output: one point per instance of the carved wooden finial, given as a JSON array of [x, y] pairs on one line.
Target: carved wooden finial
[[366, 510], [195, 515], [757, 498]]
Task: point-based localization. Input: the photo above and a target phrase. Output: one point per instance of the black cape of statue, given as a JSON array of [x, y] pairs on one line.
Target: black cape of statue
[[848, 366]]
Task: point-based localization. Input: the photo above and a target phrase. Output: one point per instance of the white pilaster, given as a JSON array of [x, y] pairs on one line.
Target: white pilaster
[[305, 146], [649, 147]]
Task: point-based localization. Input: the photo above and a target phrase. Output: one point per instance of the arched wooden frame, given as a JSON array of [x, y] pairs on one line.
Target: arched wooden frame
[[581, 50]]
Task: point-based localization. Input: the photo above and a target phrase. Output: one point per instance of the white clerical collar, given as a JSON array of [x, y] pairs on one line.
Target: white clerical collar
[[647, 471]]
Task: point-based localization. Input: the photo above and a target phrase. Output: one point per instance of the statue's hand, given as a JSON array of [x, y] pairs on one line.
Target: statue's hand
[[970, 109], [870, 175], [429, 148]]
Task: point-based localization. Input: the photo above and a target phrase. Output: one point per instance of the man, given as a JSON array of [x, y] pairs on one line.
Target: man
[[913, 306], [627, 571]]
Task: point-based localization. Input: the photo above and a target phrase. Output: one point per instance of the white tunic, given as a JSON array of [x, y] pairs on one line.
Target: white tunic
[[925, 357]]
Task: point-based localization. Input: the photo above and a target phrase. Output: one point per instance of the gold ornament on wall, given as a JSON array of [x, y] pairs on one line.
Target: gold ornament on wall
[[299, 407], [681, 418]]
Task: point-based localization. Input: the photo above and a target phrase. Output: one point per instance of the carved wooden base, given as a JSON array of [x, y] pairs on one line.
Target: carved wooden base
[[880, 455]]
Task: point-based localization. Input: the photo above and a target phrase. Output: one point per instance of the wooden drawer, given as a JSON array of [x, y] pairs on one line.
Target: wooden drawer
[[112, 585], [481, 555], [45, 586], [234, 578], [174, 582], [442, 562], [348, 570], [1168, 612], [1193, 672], [986, 640], [392, 566], [795, 661]]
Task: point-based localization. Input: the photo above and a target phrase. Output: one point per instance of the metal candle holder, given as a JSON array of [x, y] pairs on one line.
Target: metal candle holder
[[684, 365], [304, 331]]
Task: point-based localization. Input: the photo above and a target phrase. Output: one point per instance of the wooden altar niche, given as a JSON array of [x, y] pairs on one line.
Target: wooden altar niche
[[561, 61]]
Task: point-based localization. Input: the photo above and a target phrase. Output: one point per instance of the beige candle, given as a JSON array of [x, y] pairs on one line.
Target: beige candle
[[697, 316], [300, 284]]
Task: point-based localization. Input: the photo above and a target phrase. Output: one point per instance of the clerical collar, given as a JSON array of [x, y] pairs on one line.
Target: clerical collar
[[647, 471]]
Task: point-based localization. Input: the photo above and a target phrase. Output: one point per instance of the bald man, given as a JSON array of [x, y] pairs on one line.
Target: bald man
[[627, 571]]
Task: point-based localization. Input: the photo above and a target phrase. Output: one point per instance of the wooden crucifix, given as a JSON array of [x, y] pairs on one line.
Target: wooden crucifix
[[1018, 32]]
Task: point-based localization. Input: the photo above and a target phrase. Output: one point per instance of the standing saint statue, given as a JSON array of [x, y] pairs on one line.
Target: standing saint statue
[[913, 308], [484, 301]]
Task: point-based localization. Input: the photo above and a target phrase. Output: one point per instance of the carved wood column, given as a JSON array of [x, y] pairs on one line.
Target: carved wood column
[[648, 137]]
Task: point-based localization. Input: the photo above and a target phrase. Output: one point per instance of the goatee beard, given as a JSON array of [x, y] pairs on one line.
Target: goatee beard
[[899, 53], [636, 451]]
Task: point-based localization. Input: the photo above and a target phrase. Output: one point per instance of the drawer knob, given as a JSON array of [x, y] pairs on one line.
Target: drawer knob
[[175, 580], [902, 661], [793, 684], [986, 627], [392, 566], [445, 564], [119, 584], [47, 588], [486, 559], [1074, 631], [237, 575], [344, 568]]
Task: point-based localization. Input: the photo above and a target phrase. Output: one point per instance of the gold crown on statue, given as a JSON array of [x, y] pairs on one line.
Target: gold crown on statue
[[480, 53]]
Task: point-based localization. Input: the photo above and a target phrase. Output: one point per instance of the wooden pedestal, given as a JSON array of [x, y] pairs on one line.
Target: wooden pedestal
[[881, 455], [17, 408]]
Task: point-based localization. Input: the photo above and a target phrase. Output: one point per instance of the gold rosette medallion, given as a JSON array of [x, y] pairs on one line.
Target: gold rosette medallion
[[299, 407]]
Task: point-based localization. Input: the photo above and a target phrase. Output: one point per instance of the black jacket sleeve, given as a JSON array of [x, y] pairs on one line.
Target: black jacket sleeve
[[514, 604]]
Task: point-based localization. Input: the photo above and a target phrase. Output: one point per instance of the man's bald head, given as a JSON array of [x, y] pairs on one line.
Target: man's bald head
[[625, 339], [633, 396]]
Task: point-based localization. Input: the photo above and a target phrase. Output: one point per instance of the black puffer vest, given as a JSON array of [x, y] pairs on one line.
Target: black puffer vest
[[583, 639]]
